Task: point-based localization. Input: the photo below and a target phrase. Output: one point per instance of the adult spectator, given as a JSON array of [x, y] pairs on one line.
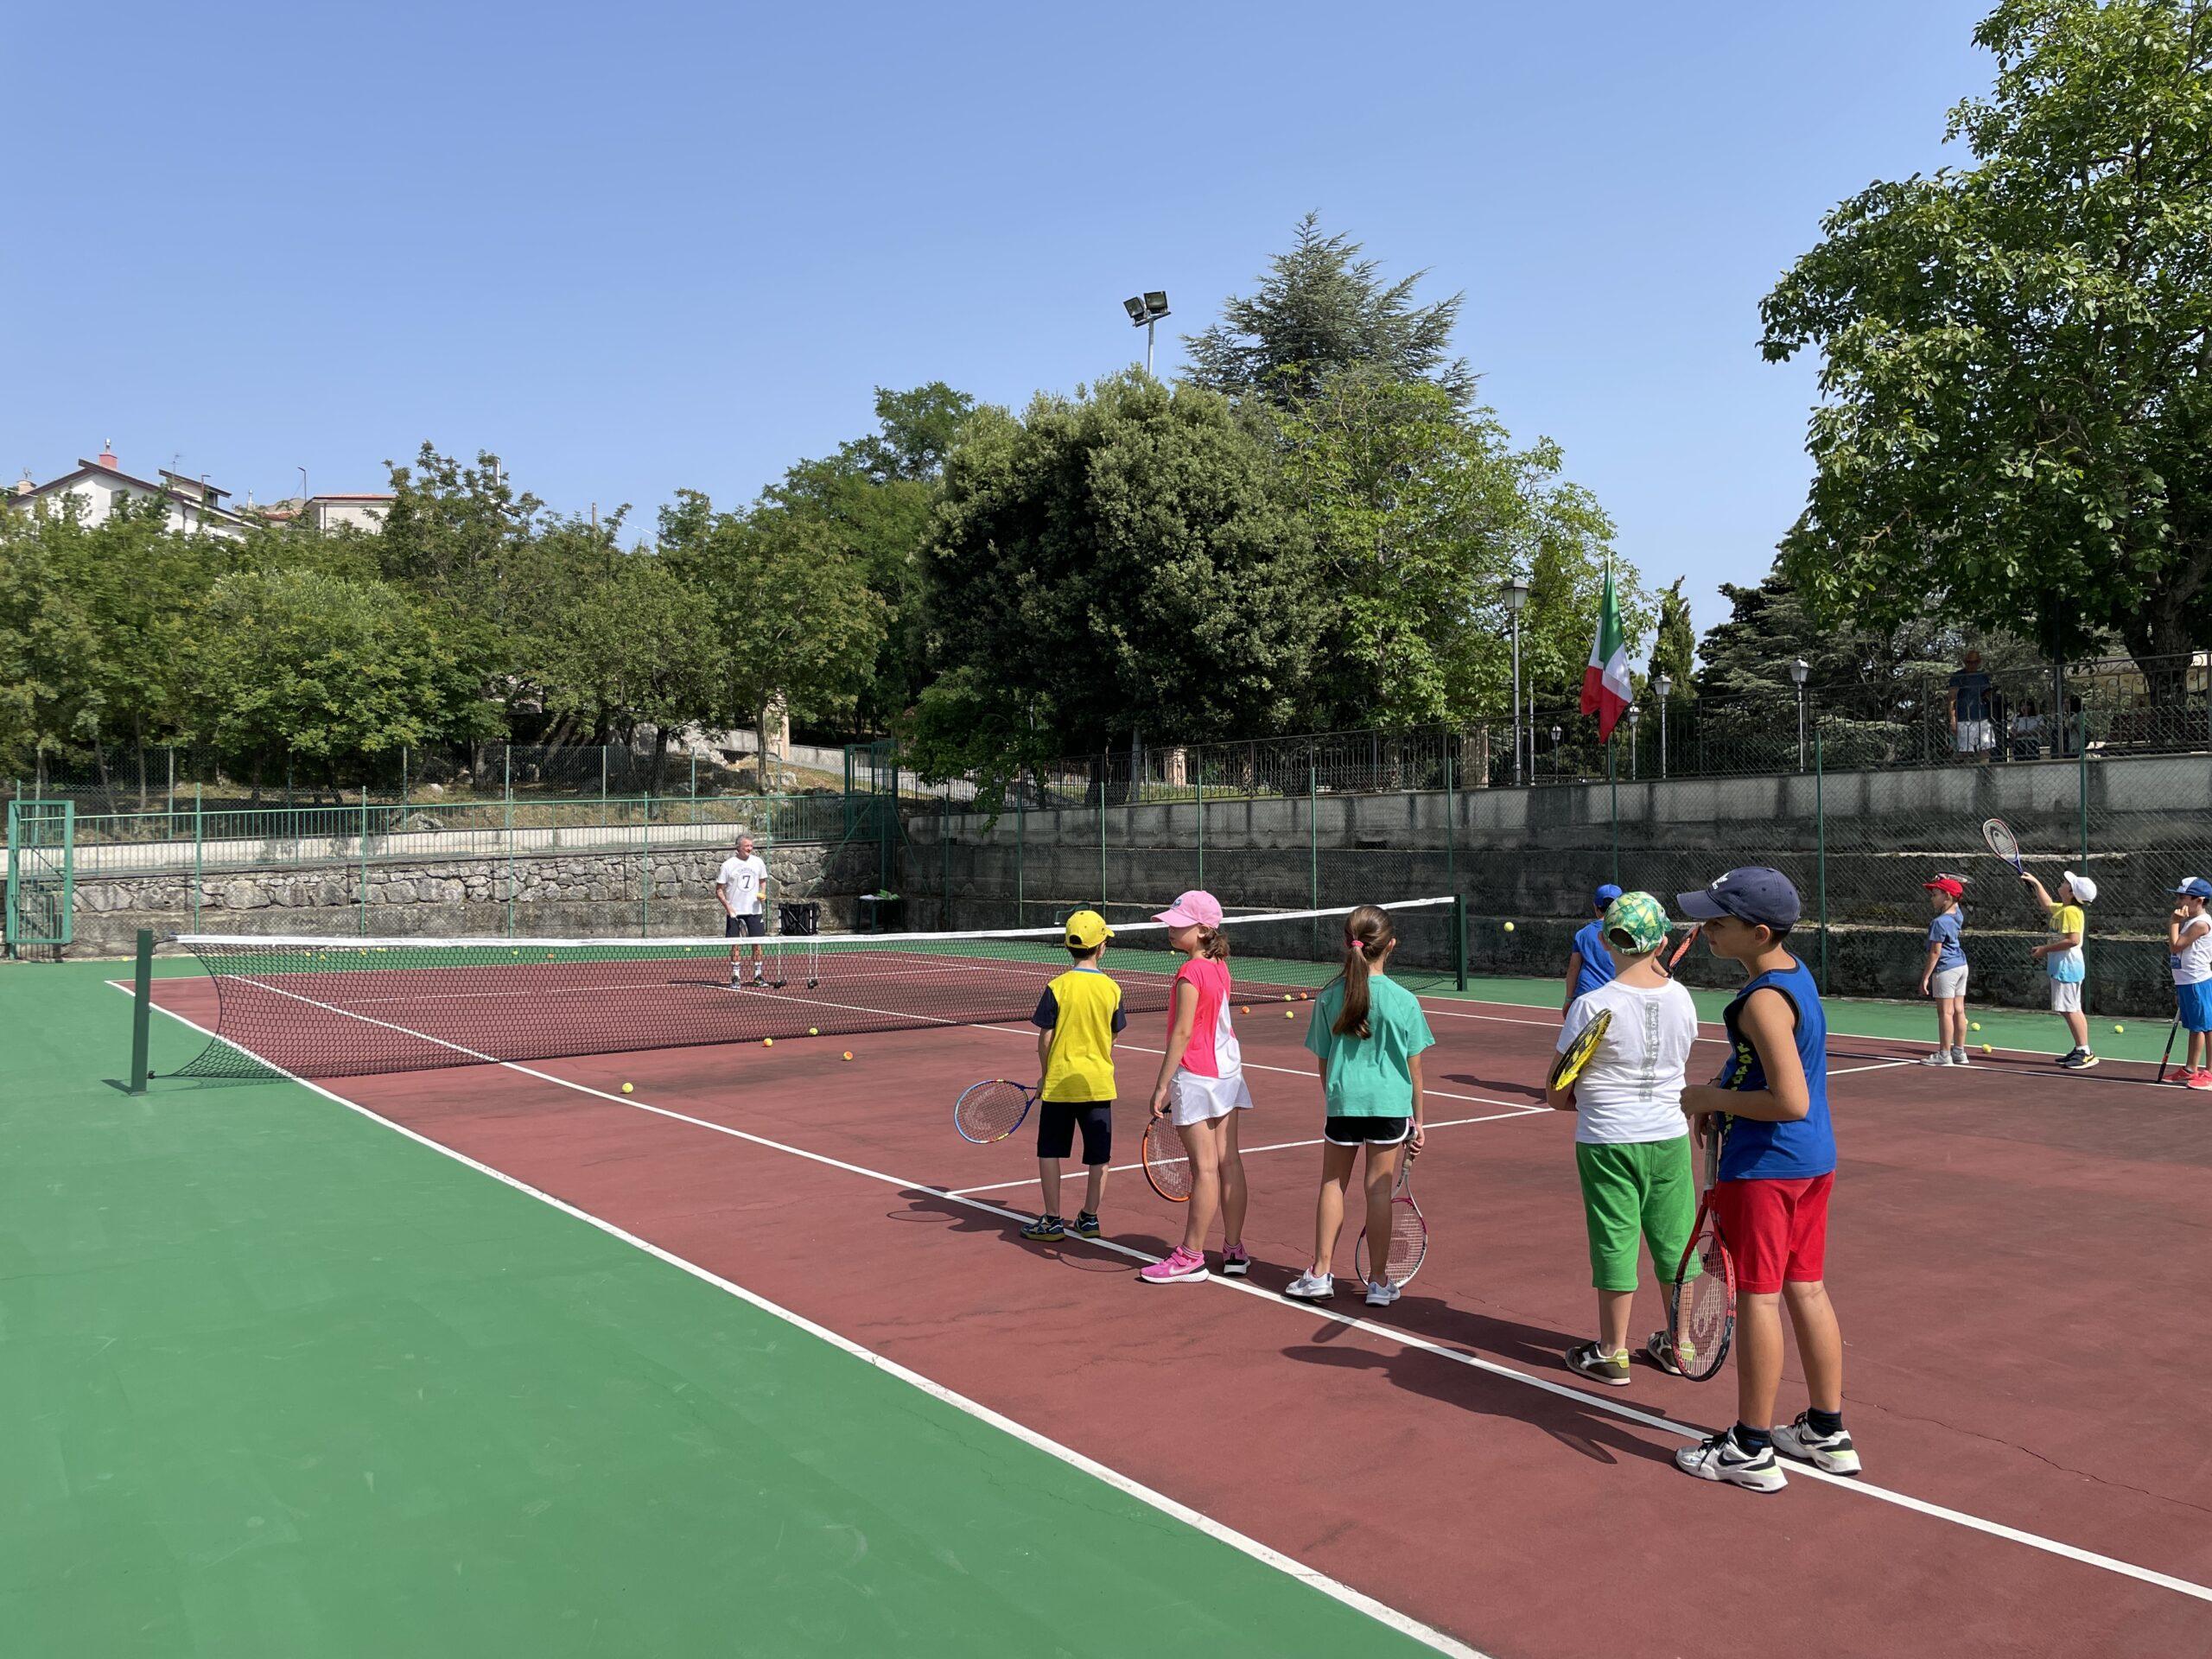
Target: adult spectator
[[2027, 732], [1970, 708]]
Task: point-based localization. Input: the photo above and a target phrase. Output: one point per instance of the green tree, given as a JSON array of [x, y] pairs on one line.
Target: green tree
[[1675, 651], [632, 646], [321, 670], [50, 705], [2017, 417], [1320, 308], [1121, 561]]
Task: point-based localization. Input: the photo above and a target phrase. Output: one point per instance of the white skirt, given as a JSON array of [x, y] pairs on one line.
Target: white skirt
[[1201, 1100]]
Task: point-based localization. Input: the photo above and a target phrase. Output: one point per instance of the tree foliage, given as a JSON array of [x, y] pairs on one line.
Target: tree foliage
[[2018, 416], [1321, 309]]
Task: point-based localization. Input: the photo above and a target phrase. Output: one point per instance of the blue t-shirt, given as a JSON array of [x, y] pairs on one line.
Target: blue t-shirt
[[1972, 687], [1944, 931], [1597, 961], [1804, 1148]]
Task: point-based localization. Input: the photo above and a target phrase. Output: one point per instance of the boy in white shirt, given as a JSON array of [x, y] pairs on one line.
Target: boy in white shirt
[[1631, 1142], [743, 886], [2188, 947]]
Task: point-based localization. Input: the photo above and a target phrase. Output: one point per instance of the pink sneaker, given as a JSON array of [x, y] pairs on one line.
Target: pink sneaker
[[2200, 1080], [1183, 1264]]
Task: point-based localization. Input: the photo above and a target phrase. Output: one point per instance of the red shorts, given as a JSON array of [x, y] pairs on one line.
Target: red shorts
[[1776, 1231]]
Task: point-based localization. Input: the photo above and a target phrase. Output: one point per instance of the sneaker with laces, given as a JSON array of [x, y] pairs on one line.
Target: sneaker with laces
[[1086, 1225], [1958, 1057], [1718, 1457], [1311, 1288], [2080, 1060], [1045, 1229], [1831, 1454], [1599, 1366], [1381, 1293], [1940, 1056], [1179, 1266], [1659, 1349], [2200, 1080], [1236, 1262]]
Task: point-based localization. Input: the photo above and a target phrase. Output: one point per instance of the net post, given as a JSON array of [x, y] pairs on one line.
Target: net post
[[1458, 942], [141, 1009]]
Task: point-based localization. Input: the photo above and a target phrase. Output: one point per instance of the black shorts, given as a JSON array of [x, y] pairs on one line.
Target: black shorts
[[738, 927], [1056, 1126], [1366, 1131]]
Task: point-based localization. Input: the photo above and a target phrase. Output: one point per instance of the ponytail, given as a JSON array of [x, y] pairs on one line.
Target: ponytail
[[1368, 938], [1213, 944]]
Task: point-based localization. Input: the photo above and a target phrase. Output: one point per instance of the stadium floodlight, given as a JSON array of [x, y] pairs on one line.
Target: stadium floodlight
[[1145, 309], [1798, 672], [1666, 683]]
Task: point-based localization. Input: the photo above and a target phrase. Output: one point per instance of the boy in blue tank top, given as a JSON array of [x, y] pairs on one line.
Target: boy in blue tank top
[[1777, 1165]]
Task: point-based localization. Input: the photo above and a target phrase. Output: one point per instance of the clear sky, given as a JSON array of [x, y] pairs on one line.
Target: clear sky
[[634, 248]]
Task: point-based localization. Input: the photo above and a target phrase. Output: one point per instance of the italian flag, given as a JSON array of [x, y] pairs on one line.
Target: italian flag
[[1606, 688]]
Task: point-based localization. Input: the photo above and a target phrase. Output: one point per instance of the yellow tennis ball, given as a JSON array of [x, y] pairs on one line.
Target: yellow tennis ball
[[629, 1088], [1986, 1049], [2119, 1028], [814, 1031], [768, 1042], [1508, 927], [1974, 1025], [1286, 996], [1290, 1013]]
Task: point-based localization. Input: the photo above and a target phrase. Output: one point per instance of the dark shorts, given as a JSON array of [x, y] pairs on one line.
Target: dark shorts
[[1366, 1131], [738, 927], [1057, 1121]]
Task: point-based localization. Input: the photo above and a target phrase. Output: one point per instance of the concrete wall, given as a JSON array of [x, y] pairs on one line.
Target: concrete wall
[[1859, 844], [574, 895]]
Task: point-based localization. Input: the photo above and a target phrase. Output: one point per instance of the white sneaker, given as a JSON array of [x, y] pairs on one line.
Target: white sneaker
[[1720, 1458], [1832, 1454], [1940, 1056], [1958, 1057], [1381, 1293], [1312, 1288]]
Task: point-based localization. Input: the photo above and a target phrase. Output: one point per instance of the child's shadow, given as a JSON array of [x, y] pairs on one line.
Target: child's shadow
[[1534, 1091], [923, 1204]]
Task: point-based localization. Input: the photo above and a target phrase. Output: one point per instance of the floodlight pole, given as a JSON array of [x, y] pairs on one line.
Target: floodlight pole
[[1516, 593]]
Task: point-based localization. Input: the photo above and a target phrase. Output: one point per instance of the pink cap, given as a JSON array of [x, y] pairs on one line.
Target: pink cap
[[1193, 909]]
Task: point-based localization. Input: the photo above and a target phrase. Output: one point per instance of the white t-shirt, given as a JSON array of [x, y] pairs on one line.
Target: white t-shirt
[[2193, 965], [1632, 1089], [745, 878]]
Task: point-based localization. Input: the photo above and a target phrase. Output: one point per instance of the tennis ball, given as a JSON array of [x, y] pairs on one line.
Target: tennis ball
[[1508, 927], [1290, 1013], [1986, 1049], [2119, 1028], [1974, 1025], [1243, 1010], [814, 1031], [768, 1042], [848, 1053], [629, 1088], [1285, 996]]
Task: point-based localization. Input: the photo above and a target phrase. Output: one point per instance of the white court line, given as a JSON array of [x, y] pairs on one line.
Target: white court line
[[1273, 1146], [1858, 1485]]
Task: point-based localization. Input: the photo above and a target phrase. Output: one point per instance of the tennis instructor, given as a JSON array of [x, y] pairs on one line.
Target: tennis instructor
[[742, 886]]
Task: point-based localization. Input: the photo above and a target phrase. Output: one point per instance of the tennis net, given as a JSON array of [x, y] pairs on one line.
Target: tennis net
[[322, 1007]]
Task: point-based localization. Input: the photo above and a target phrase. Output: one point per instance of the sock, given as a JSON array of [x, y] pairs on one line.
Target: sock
[[1824, 1423], [1751, 1439]]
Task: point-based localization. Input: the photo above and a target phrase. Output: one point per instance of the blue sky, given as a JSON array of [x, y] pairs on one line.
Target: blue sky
[[643, 247]]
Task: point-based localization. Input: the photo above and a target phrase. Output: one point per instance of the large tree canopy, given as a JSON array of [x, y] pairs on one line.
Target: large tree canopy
[[2018, 357], [1319, 309]]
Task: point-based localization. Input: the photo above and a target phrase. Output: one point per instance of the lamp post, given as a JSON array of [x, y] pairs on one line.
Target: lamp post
[[1145, 309], [1516, 593], [1665, 684], [1556, 735], [1798, 670], [1635, 714]]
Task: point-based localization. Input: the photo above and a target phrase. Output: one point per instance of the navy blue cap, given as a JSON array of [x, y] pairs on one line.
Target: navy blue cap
[[2195, 886], [1607, 892], [1753, 893]]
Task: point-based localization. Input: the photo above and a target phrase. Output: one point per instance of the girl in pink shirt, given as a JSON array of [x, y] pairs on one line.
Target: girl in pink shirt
[[1202, 1085]]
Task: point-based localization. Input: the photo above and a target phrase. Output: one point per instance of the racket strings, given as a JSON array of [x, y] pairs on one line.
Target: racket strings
[[990, 1111], [1166, 1163]]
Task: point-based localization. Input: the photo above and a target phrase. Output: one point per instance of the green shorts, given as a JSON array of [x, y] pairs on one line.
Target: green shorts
[[1642, 1188]]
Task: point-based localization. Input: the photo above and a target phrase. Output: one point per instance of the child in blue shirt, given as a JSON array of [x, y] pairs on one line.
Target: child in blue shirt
[[1943, 976]]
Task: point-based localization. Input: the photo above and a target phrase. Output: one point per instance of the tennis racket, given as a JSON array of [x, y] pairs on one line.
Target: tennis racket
[[1683, 950], [2166, 1059], [1568, 1066], [2003, 842], [1166, 1166], [991, 1112], [1702, 1301], [1409, 1234]]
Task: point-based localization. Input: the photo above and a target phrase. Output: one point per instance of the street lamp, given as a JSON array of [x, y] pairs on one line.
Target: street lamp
[[1517, 596], [1556, 735], [1635, 714], [1798, 670], [1666, 683], [1145, 309]]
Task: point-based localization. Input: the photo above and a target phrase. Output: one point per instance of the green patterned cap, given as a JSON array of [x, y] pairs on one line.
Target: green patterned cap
[[1640, 916]]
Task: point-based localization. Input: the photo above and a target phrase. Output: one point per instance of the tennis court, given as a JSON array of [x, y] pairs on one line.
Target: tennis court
[[751, 1359]]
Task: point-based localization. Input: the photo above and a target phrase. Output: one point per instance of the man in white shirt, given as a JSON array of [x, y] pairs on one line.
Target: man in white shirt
[[742, 886]]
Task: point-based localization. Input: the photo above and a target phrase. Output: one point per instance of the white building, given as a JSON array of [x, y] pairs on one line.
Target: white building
[[194, 505]]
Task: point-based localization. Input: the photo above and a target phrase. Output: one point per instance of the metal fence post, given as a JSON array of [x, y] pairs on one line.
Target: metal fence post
[[1821, 848], [1199, 799], [198, 851], [645, 876], [365, 860], [1613, 795], [1021, 846], [1451, 837], [2082, 743], [1102, 832], [1314, 848], [944, 860], [507, 790]]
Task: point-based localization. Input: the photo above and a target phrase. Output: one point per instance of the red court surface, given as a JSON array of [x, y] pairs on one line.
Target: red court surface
[[2015, 1256]]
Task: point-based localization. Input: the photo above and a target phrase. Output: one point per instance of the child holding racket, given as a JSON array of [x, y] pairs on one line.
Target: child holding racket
[[1632, 1145], [1777, 1165], [1077, 1018], [1202, 1087], [2061, 958], [2188, 945], [1943, 976], [1367, 1034]]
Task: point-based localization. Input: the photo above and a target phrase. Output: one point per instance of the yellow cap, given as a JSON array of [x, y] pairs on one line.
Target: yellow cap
[[1087, 930]]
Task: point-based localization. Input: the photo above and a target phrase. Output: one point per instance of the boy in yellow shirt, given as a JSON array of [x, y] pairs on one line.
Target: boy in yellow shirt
[[1076, 1020], [2063, 960]]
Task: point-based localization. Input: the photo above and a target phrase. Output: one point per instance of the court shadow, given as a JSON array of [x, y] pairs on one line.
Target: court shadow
[[923, 1205], [1587, 1429], [1499, 1084]]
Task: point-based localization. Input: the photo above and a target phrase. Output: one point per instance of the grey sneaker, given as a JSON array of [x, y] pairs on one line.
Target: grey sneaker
[[1598, 1366], [1311, 1288], [1958, 1057], [1940, 1056], [1381, 1293]]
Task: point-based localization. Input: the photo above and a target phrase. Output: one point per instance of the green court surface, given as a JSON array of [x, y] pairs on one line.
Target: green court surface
[[279, 1381]]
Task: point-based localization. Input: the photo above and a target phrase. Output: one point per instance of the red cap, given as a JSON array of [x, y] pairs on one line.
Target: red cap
[[1947, 885]]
